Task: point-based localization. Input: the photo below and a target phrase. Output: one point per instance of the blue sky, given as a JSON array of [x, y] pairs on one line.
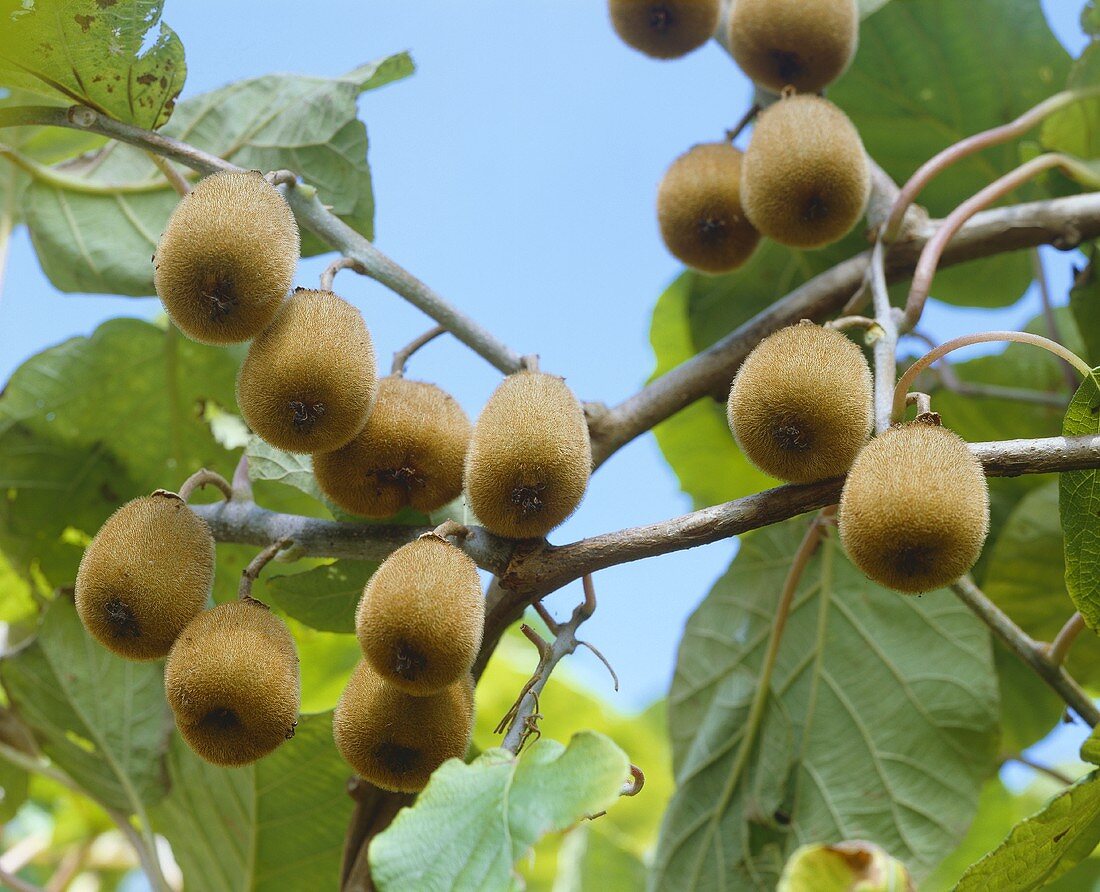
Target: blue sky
[[515, 172]]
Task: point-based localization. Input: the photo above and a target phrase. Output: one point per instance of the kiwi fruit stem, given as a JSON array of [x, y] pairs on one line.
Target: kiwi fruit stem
[[200, 479], [401, 357], [252, 572]]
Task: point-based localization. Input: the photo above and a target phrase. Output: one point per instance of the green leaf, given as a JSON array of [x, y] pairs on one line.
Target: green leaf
[[1084, 302], [914, 89], [276, 825], [1043, 847], [99, 53], [323, 598], [98, 233], [1026, 574], [267, 462], [477, 820], [880, 725], [1090, 749], [13, 789], [590, 860], [844, 867], [100, 718], [1079, 506], [1075, 130], [96, 421]]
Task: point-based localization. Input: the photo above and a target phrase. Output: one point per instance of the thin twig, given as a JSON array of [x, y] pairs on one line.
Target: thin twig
[[451, 528], [201, 478], [521, 719], [252, 572], [844, 322], [1033, 653], [885, 348], [933, 249], [328, 277], [637, 780], [401, 357], [966, 147], [922, 401], [175, 179], [746, 119], [1038, 268], [983, 337], [1053, 773], [1063, 641]]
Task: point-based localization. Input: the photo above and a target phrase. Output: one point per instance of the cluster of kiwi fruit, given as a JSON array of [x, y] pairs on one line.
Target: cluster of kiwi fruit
[[308, 384], [231, 674], [804, 180], [914, 510]]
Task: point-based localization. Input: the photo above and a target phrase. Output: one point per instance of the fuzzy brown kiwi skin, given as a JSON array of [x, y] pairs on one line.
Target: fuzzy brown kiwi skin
[[411, 453], [664, 29], [310, 378], [699, 209], [914, 512], [145, 576], [395, 741], [530, 457], [420, 619], [232, 682], [227, 258], [805, 178], [806, 44], [800, 406]]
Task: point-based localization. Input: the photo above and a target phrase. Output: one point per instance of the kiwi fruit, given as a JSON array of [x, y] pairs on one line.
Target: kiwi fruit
[[530, 457], [226, 259], [805, 179], [914, 512], [145, 576], [420, 619], [664, 29], [308, 382], [232, 682], [410, 453], [395, 741], [805, 44], [699, 209], [800, 406]]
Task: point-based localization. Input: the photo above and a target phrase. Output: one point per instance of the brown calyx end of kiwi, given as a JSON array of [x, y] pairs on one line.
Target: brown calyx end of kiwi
[[815, 209], [404, 477], [220, 719], [527, 498], [791, 435], [408, 661], [217, 289], [712, 229], [788, 64], [915, 560], [119, 618], [660, 18], [397, 759], [305, 413]]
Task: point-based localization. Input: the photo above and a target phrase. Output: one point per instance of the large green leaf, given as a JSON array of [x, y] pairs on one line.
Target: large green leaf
[[880, 723], [914, 89], [477, 820], [100, 53], [1084, 302], [98, 232], [276, 825], [324, 597], [1026, 574], [100, 718], [1043, 847], [96, 421], [1076, 130], [1079, 504], [844, 867]]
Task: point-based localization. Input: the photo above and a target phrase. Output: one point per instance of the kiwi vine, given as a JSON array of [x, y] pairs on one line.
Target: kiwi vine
[[811, 390]]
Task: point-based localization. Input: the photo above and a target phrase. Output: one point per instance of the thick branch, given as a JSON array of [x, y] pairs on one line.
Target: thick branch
[[309, 211], [1062, 222], [534, 568]]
